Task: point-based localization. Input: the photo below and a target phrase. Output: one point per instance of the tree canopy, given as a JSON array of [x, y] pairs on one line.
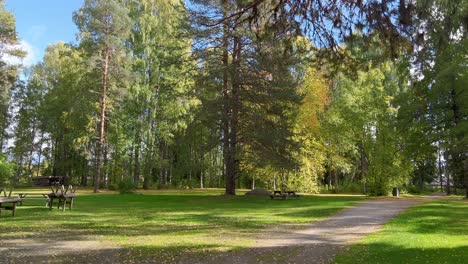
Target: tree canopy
[[309, 95]]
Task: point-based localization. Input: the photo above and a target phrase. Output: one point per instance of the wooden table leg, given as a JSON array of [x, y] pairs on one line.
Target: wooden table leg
[[64, 204]]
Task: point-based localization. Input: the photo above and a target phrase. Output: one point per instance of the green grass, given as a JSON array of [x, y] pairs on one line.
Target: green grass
[[164, 223], [435, 232]]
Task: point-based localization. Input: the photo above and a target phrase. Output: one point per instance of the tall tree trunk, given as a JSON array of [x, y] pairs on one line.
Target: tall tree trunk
[[100, 145], [40, 153], [335, 176], [230, 188], [4, 124], [465, 170], [148, 165], [106, 167], [439, 160], [460, 152], [233, 159], [448, 183], [31, 150], [136, 162]]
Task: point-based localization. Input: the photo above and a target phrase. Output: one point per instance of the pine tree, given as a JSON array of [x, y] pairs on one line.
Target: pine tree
[[248, 69], [104, 27]]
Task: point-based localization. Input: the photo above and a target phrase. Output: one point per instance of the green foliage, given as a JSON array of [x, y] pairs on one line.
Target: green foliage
[[8, 71], [418, 189], [6, 172], [309, 132], [176, 97], [126, 186], [361, 125]]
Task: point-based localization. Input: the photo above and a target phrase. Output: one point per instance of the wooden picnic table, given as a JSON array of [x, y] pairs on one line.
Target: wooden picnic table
[[63, 195], [35, 196], [283, 195], [292, 194], [8, 200]]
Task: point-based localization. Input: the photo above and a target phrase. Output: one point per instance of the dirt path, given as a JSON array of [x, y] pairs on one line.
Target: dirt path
[[319, 242], [55, 248]]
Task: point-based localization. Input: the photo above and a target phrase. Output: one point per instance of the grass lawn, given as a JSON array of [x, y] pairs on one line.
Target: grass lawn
[[163, 223], [435, 232]]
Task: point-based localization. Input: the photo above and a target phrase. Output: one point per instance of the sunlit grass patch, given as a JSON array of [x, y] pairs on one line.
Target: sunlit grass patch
[[161, 224], [435, 232]]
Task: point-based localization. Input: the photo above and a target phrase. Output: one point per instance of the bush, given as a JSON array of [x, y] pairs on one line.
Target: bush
[[7, 170], [351, 187], [416, 189], [113, 187], [126, 186]]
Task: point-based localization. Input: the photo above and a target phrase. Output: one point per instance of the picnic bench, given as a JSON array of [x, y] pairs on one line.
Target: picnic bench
[[33, 196], [292, 194], [12, 201], [283, 195], [63, 196], [47, 181]]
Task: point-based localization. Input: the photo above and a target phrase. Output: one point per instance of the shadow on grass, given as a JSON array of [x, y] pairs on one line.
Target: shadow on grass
[[143, 214], [179, 224]]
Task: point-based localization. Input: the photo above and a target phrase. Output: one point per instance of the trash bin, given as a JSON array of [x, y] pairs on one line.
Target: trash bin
[[396, 192]]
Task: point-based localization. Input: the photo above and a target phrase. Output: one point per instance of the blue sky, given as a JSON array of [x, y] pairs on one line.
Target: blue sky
[[43, 22]]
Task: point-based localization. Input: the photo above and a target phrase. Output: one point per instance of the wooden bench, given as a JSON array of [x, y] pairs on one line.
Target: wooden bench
[[4, 198], [63, 196], [33, 196]]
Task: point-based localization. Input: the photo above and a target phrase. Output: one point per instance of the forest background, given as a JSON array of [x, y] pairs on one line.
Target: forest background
[[310, 95]]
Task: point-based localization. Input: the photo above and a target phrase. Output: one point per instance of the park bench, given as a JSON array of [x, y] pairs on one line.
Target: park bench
[[33, 196], [12, 201], [63, 196], [283, 195]]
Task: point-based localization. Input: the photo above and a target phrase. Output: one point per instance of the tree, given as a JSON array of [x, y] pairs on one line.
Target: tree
[[104, 27], [310, 132], [8, 72], [250, 73], [67, 112], [162, 97], [362, 127], [439, 81], [27, 99]]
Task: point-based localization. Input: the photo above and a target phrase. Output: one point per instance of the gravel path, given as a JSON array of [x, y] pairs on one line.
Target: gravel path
[[320, 241], [58, 249]]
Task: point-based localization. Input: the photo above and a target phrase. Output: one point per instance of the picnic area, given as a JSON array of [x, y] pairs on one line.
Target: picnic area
[[234, 131], [200, 226]]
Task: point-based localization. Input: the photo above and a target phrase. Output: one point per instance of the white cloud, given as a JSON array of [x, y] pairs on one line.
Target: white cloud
[[26, 61], [36, 32], [31, 56]]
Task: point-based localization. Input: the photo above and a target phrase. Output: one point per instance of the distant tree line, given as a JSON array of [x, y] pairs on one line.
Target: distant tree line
[[345, 95]]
